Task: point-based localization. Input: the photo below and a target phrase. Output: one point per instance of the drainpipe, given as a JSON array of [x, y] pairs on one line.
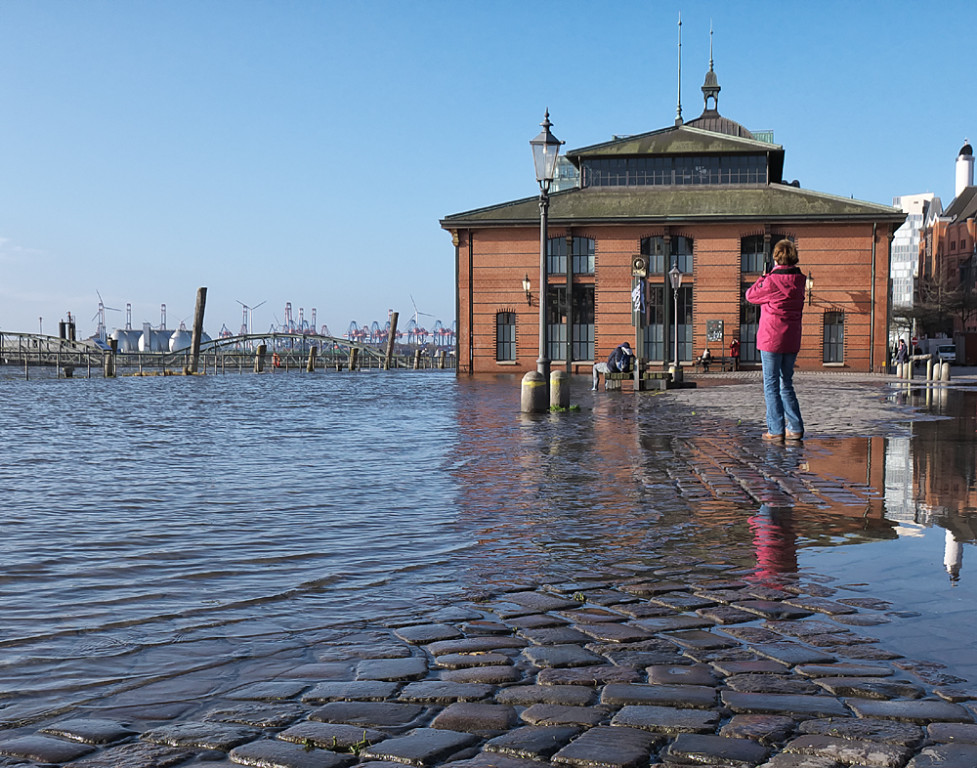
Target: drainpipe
[[871, 332], [471, 300]]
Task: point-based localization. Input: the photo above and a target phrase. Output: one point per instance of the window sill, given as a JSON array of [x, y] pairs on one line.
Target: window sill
[[833, 365], [506, 362]]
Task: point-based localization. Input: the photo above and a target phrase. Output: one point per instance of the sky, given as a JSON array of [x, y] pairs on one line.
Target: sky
[[305, 151]]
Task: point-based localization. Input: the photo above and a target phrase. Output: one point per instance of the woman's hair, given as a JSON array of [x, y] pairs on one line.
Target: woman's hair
[[785, 253]]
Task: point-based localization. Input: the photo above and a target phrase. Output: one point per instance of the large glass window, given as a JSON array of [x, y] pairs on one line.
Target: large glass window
[[751, 254], [583, 322], [556, 256], [505, 336], [654, 330], [583, 256], [834, 337], [556, 322], [684, 321], [680, 252], [674, 170], [749, 324]]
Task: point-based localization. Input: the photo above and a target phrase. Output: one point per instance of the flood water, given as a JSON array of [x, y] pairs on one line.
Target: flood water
[[156, 528]]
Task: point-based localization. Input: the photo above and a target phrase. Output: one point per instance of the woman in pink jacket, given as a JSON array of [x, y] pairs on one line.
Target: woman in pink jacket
[[780, 294]]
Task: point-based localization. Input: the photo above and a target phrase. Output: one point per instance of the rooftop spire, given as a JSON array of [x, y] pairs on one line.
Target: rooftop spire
[[711, 89], [678, 111]]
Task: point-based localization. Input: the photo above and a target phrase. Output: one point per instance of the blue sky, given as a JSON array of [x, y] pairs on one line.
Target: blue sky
[[304, 152]]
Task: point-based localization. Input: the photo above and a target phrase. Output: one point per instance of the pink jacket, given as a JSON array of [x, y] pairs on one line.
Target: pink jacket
[[781, 297]]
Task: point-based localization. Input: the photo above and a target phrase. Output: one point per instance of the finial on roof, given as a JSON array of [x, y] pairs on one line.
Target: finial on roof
[[711, 88], [678, 111]]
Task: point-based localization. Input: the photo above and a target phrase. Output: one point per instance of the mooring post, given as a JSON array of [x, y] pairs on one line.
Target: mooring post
[[310, 366], [417, 359], [559, 390], [441, 359], [390, 340], [354, 354], [259, 358], [533, 393], [198, 329], [108, 362]]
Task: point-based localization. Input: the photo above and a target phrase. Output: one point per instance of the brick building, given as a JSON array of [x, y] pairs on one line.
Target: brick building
[[705, 195]]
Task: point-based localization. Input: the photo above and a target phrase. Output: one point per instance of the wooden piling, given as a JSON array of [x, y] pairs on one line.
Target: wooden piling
[[310, 365], [259, 358], [417, 359], [390, 340], [354, 354], [198, 329]]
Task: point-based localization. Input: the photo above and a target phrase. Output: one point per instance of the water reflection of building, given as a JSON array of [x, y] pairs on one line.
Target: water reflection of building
[[930, 477]]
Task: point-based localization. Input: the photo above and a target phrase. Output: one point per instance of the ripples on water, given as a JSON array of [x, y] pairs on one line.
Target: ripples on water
[[157, 525]]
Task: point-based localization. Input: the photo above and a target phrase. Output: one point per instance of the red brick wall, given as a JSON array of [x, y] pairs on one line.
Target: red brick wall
[[840, 257]]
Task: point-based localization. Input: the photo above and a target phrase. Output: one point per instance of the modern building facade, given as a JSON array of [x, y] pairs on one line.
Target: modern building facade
[[705, 196]]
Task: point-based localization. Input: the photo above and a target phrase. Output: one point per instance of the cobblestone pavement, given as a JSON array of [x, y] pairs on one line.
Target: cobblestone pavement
[[682, 661], [684, 664]]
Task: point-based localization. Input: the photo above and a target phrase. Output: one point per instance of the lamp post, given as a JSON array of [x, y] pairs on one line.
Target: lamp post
[[546, 149], [675, 276]]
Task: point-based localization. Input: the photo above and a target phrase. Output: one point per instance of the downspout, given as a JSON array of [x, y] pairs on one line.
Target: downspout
[[471, 300], [871, 332]]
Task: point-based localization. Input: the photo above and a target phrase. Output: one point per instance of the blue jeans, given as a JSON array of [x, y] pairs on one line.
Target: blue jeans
[[778, 391]]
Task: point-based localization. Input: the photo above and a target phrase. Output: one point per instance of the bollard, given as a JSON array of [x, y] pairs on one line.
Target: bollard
[[259, 358], [533, 393], [945, 372], [898, 370], [932, 372], [559, 390], [908, 370], [310, 366]]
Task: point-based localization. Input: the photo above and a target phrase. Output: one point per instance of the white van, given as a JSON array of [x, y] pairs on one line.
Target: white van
[[947, 353]]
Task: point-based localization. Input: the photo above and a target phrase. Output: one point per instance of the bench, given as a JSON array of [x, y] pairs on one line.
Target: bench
[[722, 363], [642, 380]]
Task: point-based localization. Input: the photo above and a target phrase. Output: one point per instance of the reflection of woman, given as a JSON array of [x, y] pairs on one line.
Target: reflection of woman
[[775, 544], [780, 293]]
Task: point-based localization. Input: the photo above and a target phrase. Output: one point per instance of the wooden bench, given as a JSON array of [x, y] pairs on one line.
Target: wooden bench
[[641, 380], [722, 363]]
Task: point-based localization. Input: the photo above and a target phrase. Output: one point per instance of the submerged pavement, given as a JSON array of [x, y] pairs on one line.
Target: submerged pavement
[[684, 660]]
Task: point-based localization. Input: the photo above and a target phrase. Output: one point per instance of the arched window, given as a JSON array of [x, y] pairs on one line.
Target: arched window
[[505, 336]]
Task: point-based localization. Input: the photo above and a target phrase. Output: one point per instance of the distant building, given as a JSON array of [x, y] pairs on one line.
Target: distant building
[[904, 265], [949, 239], [706, 196]]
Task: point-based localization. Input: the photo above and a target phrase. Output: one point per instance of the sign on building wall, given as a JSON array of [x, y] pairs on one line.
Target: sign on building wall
[[714, 330]]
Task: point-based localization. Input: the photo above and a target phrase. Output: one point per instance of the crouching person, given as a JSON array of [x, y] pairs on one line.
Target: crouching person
[[620, 360]]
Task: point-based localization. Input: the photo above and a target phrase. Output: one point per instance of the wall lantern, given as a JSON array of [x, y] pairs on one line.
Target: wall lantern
[[810, 287], [525, 287]]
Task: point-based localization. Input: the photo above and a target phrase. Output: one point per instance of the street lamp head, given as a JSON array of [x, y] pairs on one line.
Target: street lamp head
[[675, 276], [546, 149]]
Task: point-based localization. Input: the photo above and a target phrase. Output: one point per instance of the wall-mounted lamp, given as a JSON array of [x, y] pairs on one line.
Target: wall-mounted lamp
[[810, 287], [525, 287]]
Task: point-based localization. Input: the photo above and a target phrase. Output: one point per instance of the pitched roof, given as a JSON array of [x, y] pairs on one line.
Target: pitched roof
[[674, 140], [674, 204], [963, 207]]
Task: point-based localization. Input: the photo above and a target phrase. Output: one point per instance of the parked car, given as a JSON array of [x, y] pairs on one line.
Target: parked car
[[947, 353]]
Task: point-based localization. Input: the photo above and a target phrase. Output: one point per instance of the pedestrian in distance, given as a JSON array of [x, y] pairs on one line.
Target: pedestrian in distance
[[780, 294], [734, 353], [902, 354], [619, 361]]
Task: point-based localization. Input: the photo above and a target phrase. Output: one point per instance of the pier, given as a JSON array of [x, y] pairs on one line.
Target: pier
[[230, 354]]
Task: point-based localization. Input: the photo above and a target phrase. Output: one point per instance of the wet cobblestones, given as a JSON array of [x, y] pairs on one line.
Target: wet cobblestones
[[585, 684]]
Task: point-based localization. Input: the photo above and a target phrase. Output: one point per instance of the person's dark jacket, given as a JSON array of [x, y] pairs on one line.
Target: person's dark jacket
[[620, 360]]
